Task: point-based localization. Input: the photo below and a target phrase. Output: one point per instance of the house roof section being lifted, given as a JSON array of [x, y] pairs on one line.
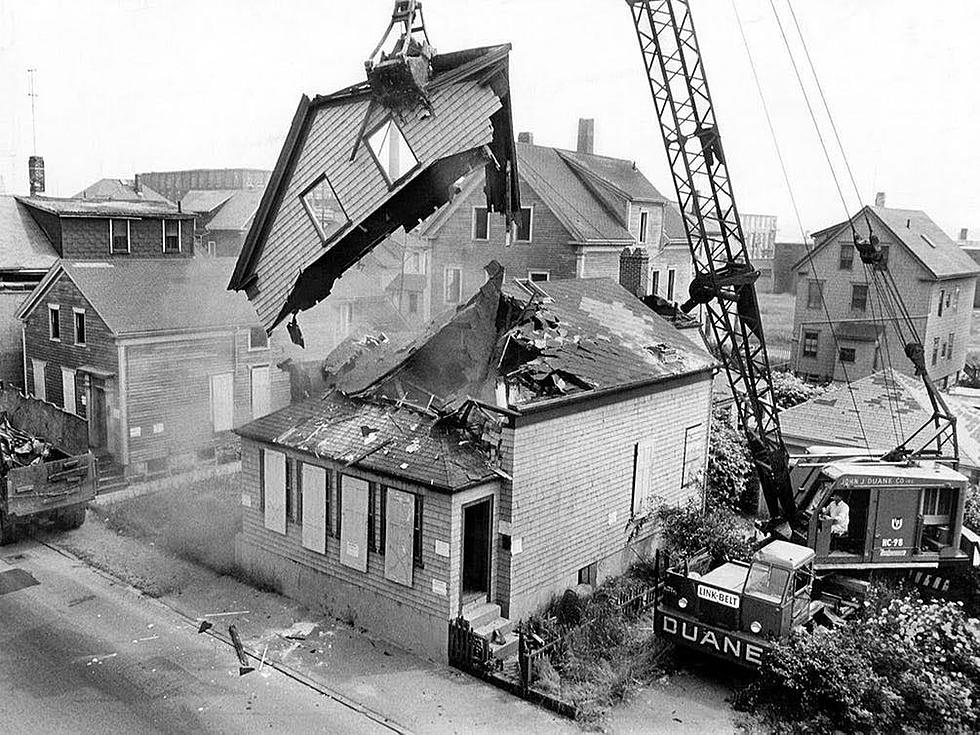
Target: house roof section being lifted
[[286, 265], [520, 345]]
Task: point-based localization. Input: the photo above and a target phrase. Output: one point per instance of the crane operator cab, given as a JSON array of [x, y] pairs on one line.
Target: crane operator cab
[[864, 514], [734, 611]]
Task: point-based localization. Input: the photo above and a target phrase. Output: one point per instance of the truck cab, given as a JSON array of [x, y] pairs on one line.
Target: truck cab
[[901, 515], [734, 610]]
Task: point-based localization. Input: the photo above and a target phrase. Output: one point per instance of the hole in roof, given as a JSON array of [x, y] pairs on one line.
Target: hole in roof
[[325, 209], [391, 151]]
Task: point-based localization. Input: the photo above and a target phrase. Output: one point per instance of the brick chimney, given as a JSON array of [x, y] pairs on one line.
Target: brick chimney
[[137, 185], [633, 270], [525, 138], [586, 135], [35, 174], [880, 199], [964, 234]]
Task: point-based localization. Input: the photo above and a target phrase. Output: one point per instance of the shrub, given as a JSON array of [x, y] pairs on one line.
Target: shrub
[[790, 390], [731, 473], [906, 666], [687, 530]]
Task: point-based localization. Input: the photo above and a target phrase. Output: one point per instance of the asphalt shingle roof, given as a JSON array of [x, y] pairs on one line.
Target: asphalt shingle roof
[[203, 201], [161, 295], [619, 173], [23, 245], [103, 208], [237, 213], [122, 190], [378, 437], [892, 407]]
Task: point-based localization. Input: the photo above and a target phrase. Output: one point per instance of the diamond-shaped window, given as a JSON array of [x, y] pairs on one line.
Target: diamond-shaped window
[[325, 210], [391, 151]]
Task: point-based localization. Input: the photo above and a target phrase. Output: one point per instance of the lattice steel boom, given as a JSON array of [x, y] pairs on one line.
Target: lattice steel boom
[[724, 279]]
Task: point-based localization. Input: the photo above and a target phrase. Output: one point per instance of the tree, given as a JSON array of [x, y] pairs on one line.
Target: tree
[[790, 390], [731, 474]]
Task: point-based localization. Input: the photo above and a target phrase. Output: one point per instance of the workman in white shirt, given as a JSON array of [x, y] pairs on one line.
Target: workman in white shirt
[[840, 514]]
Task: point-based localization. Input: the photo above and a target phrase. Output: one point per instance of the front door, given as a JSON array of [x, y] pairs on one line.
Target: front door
[[97, 433], [476, 550]]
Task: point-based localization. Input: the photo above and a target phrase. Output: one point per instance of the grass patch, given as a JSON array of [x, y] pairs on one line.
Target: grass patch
[[196, 522], [598, 663]]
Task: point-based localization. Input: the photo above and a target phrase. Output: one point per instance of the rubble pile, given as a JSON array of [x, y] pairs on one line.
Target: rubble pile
[[19, 448]]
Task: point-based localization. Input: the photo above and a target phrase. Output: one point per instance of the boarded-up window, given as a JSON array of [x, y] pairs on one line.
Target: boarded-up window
[[274, 484], [315, 518], [453, 284], [354, 528], [261, 398], [399, 536], [68, 389], [37, 367], [643, 474], [222, 401], [693, 454]]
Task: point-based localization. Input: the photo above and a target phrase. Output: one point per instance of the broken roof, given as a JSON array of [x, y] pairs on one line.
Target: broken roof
[[288, 263], [391, 440], [934, 249], [23, 245], [121, 190], [149, 295], [103, 208], [892, 407], [574, 337]]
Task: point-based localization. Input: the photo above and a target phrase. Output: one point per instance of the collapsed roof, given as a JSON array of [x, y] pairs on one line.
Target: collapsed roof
[[518, 345], [353, 171]]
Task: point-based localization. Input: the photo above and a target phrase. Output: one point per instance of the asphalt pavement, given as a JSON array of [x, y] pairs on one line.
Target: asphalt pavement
[[81, 653]]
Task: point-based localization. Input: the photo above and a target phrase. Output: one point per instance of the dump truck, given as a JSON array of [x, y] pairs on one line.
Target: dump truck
[[39, 481]]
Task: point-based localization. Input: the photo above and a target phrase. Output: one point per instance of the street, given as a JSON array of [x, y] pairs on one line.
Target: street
[[81, 654]]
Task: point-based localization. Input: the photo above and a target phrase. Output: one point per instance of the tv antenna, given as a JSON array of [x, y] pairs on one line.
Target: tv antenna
[[32, 93]]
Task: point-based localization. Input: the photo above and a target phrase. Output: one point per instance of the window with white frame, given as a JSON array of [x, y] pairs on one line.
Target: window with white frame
[[324, 208], [171, 235], [671, 281], [54, 322], [37, 372], [524, 225], [79, 318], [119, 236], [453, 282], [643, 226], [481, 223], [655, 282], [258, 339], [68, 400], [212, 249], [391, 151], [538, 276]]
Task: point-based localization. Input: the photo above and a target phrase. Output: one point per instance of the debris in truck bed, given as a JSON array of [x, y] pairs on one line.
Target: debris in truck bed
[[20, 448]]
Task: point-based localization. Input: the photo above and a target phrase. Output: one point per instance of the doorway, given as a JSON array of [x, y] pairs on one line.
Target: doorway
[[476, 550], [97, 430]]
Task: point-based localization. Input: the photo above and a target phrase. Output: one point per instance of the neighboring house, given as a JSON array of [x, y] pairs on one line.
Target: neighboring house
[[970, 246], [353, 171], [121, 190], [159, 358], [936, 279], [25, 256], [221, 229], [118, 230], [578, 211], [175, 185], [785, 256], [511, 451], [891, 406], [760, 241]]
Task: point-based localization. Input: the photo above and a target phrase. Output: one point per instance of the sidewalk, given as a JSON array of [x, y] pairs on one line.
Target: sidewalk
[[414, 694]]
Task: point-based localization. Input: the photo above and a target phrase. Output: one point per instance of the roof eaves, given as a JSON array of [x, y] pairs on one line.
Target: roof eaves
[[430, 228], [27, 306], [271, 198]]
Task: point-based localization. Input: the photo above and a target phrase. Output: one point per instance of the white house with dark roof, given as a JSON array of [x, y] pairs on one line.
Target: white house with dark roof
[[937, 281], [509, 452]]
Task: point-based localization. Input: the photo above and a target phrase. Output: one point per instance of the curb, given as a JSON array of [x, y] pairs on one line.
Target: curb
[[284, 669]]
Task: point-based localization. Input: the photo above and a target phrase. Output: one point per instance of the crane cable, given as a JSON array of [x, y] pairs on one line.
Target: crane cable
[[796, 210]]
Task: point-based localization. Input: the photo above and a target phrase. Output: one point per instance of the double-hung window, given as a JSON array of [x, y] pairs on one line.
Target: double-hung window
[[79, 318], [810, 342], [54, 322], [171, 235], [118, 236]]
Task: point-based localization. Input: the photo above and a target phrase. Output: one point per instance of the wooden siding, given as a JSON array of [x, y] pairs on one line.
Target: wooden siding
[[454, 245], [88, 238], [99, 350], [435, 527], [168, 389], [460, 122]]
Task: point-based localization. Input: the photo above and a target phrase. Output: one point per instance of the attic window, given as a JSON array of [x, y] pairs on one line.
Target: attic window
[[391, 151], [325, 210]]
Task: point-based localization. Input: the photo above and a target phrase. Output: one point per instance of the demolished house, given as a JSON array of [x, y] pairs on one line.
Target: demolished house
[[360, 163], [511, 451]]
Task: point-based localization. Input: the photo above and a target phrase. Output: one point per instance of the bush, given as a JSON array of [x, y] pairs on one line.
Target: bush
[[790, 390], [731, 474], [906, 666], [687, 530]]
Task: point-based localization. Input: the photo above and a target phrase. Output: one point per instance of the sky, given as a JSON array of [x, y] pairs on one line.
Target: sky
[[143, 85]]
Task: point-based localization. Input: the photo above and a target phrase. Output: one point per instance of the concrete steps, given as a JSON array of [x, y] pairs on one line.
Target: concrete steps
[[487, 622]]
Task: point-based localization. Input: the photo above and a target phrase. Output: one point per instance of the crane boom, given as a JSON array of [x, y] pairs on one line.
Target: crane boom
[[724, 279]]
